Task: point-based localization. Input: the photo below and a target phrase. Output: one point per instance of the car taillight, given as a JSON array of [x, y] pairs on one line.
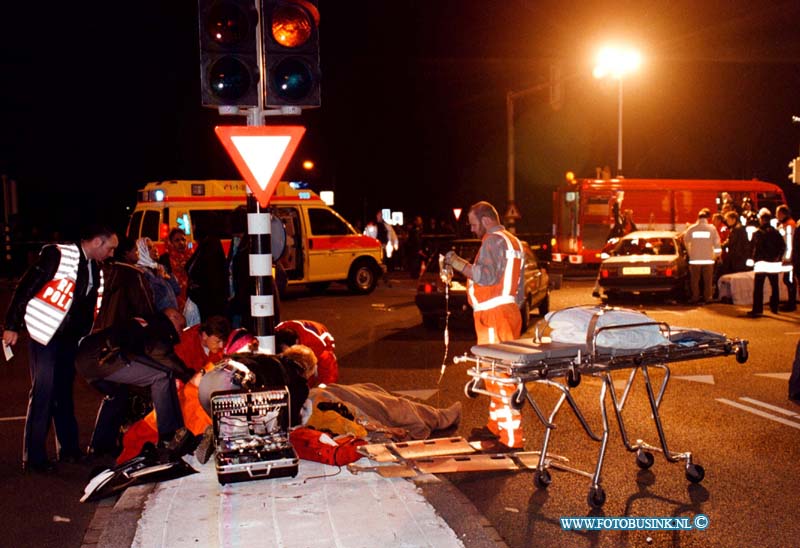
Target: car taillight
[[604, 273], [669, 272], [427, 288]]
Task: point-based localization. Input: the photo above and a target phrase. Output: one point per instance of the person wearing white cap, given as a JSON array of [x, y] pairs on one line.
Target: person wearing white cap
[[767, 259]]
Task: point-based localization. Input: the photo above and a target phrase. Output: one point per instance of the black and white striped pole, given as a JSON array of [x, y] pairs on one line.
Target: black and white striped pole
[[262, 301], [261, 154]]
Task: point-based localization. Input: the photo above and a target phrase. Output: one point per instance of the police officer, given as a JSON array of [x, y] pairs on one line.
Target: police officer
[[703, 245], [787, 227], [495, 289], [55, 300], [767, 260]]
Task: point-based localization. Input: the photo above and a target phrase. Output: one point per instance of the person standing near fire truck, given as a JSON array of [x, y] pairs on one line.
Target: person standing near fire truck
[[703, 245], [787, 227], [495, 290]]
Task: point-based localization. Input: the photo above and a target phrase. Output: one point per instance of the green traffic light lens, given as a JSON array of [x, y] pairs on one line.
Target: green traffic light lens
[[227, 24], [229, 78], [292, 79], [291, 26]]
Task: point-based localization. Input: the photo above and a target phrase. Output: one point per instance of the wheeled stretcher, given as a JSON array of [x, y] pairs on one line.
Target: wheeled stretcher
[[597, 342]]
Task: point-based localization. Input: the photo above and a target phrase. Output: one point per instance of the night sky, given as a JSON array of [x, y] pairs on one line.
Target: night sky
[[99, 98]]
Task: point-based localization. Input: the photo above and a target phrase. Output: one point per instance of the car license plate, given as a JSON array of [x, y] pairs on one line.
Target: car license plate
[[636, 271]]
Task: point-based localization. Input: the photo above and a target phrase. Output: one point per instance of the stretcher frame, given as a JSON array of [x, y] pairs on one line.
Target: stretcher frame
[[496, 363]]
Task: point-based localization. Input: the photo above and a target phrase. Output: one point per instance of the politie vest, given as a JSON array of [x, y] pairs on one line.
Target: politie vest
[[485, 297], [46, 311]]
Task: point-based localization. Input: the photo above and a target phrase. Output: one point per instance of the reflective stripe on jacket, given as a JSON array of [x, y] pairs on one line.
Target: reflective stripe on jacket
[[48, 308], [504, 291]]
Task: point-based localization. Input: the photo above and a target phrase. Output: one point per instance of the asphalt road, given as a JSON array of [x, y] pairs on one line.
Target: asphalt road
[[749, 459]]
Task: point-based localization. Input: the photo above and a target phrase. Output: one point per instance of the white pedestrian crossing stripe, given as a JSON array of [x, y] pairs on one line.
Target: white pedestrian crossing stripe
[[705, 379], [779, 376], [760, 413]]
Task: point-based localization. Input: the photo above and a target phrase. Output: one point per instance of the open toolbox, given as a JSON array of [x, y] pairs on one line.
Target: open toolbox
[[251, 435]]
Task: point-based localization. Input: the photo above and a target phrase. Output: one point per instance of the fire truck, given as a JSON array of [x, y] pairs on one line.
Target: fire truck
[[311, 242], [584, 210]]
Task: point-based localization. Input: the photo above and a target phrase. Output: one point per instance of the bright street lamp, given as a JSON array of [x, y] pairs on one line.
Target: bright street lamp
[[616, 63]]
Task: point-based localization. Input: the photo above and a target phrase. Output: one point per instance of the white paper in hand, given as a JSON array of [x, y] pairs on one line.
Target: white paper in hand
[[7, 351]]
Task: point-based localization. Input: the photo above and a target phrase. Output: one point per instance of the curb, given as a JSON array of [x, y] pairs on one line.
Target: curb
[[469, 525]]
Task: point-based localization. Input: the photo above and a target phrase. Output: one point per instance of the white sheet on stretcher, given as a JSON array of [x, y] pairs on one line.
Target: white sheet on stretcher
[[571, 325]]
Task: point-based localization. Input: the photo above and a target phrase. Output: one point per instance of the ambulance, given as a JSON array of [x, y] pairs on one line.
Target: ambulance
[[311, 242]]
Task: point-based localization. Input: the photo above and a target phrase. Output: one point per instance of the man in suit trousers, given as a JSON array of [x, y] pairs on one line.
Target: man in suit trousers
[[56, 301]]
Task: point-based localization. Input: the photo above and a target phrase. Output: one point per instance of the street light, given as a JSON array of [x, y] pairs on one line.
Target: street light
[[617, 62]]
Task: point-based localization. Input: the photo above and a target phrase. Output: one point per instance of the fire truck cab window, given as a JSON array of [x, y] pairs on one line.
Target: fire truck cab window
[[150, 225], [324, 222]]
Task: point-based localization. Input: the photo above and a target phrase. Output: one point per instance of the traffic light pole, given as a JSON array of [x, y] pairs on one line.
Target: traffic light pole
[[510, 157]]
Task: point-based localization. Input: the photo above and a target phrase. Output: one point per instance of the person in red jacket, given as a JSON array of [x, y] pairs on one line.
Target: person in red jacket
[[315, 336], [204, 342]]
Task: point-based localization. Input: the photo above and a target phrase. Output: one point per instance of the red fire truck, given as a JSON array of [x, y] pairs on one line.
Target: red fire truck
[[584, 209]]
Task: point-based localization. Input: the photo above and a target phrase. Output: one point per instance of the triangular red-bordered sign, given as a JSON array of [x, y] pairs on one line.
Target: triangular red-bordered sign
[[261, 154]]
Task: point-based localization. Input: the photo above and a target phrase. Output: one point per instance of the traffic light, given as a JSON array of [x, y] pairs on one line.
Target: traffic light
[[793, 165], [290, 38], [228, 53]]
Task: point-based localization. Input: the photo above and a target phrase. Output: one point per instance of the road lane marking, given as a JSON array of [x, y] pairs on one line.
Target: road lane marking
[[779, 376], [3, 419], [705, 379], [759, 412], [771, 407]]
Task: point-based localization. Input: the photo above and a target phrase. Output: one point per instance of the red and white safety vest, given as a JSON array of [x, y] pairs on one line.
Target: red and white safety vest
[[485, 297], [46, 311]]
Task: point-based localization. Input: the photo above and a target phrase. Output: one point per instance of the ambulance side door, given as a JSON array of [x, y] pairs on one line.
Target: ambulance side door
[[329, 242]]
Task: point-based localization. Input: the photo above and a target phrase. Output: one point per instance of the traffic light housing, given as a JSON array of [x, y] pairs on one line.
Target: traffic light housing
[[794, 176], [290, 41], [229, 72]]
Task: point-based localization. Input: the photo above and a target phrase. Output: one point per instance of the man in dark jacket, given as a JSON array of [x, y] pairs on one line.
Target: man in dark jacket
[[767, 259], [127, 295], [736, 247], [138, 352], [55, 300]]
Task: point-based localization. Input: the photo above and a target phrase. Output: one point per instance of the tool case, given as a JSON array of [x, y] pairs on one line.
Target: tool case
[[251, 435]]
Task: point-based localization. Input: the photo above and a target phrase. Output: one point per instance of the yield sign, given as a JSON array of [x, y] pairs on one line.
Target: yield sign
[[261, 154]]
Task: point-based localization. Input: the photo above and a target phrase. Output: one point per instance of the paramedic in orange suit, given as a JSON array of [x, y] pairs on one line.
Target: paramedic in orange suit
[[495, 290]]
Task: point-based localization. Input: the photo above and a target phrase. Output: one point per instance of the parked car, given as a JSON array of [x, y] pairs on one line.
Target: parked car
[[645, 262], [430, 297]]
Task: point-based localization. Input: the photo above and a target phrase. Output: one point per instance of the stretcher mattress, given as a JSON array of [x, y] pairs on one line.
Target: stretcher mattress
[[546, 358]]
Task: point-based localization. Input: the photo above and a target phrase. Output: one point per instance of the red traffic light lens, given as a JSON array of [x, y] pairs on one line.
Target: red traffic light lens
[[227, 24], [291, 26]]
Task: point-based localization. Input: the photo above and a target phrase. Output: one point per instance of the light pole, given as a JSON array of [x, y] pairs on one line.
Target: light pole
[[617, 62]]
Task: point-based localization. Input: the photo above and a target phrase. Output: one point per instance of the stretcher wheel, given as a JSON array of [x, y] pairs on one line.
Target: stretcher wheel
[[573, 378], [695, 473], [644, 459], [542, 479], [518, 398], [597, 497], [742, 354], [469, 388]]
